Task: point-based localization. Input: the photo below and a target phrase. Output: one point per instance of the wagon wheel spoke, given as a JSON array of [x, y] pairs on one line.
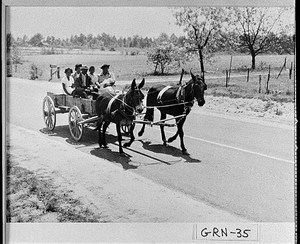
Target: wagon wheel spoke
[[49, 113], [76, 129]]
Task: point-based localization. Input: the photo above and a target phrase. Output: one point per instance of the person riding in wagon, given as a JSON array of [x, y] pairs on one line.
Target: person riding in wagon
[[68, 82], [82, 83], [77, 71], [106, 78]]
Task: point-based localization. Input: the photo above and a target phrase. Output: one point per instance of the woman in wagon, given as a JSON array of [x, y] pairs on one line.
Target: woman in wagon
[[106, 78], [68, 82], [77, 71], [82, 83]]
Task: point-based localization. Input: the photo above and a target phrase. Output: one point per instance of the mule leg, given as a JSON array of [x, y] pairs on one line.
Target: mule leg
[[180, 122], [172, 138], [162, 129], [141, 132], [105, 125], [99, 125], [118, 127], [128, 144], [148, 116]]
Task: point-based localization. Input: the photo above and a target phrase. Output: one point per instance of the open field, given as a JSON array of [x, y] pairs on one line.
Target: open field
[[127, 67]]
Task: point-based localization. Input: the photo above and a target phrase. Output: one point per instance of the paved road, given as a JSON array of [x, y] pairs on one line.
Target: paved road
[[245, 168]]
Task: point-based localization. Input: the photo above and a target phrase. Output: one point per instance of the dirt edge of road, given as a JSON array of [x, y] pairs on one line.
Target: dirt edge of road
[[107, 192]]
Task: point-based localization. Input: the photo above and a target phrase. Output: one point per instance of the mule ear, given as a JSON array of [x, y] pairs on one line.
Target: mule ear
[[141, 84], [193, 76], [133, 85]]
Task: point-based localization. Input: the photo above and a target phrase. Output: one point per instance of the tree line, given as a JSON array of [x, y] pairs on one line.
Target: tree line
[[279, 44], [207, 30]]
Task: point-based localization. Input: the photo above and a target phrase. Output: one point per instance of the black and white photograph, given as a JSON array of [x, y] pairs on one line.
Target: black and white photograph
[[149, 122]]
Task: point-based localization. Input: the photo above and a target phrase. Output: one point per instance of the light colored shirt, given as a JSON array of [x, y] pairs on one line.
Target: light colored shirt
[[75, 75], [107, 80], [83, 79], [68, 83], [94, 79]]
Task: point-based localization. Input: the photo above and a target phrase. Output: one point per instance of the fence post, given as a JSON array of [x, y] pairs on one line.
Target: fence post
[[50, 72], [290, 71], [230, 68], [267, 88], [283, 66], [226, 78], [247, 74], [259, 84], [58, 68]]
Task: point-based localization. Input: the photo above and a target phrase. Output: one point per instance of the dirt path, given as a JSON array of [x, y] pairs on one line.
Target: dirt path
[[107, 190]]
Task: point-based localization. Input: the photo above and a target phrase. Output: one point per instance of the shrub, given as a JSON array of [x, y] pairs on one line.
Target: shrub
[[35, 72]]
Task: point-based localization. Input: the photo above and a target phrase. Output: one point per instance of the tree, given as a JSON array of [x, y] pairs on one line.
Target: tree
[[36, 39], [166, 55], [200, 24], [255, 26]]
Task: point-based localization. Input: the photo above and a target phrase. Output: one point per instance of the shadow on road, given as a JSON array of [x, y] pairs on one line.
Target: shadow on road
[[114, 156], [90, 138], [170, 150]]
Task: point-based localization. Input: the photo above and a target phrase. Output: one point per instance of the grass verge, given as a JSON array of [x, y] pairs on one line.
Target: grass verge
[[29, 198]]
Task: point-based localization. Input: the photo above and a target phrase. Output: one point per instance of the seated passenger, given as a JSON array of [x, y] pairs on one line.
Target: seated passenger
[[82, 83], [106, 78], [77, 71], [94, 86], [68, 82]]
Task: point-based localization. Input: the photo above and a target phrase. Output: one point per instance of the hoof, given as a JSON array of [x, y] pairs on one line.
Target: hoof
[[127, 144], [165, 143], [185, 152], [170, 140], [103, 146], [122, 154]]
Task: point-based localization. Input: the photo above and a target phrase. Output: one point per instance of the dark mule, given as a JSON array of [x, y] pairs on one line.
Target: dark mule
[[176, 100], [121, 110]]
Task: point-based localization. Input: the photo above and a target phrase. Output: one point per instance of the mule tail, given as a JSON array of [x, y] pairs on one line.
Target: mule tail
[[98, 124]]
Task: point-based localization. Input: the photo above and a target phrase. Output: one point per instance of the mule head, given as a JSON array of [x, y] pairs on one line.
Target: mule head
[[199, 86], [135, 96]]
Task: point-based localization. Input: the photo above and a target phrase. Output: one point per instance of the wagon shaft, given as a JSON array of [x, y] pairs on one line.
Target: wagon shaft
[[89, 120]]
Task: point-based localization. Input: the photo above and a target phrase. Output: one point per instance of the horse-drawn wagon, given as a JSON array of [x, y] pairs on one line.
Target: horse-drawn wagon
[[82, 112], [123, 110]]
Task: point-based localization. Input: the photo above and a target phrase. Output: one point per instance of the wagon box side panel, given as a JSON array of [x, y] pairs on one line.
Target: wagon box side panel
[[58, 99], [85, 105]]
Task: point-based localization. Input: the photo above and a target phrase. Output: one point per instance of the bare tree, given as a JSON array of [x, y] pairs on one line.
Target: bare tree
[[255, 26], [201, 25]]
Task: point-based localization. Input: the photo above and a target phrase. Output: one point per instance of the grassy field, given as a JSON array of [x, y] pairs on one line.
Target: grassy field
[[127, 67]]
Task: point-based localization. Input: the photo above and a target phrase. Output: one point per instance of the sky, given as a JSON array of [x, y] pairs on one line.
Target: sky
[[62, 22]]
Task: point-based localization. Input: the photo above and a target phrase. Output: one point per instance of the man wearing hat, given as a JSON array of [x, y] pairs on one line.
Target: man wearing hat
[[82, 82], [106, 78]]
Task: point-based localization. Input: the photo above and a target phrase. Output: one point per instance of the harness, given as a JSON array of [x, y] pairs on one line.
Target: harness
[[111, 102], [161, 93]]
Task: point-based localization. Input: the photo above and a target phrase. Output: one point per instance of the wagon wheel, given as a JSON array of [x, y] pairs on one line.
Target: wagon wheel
[[49, 113], [76, 129]]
